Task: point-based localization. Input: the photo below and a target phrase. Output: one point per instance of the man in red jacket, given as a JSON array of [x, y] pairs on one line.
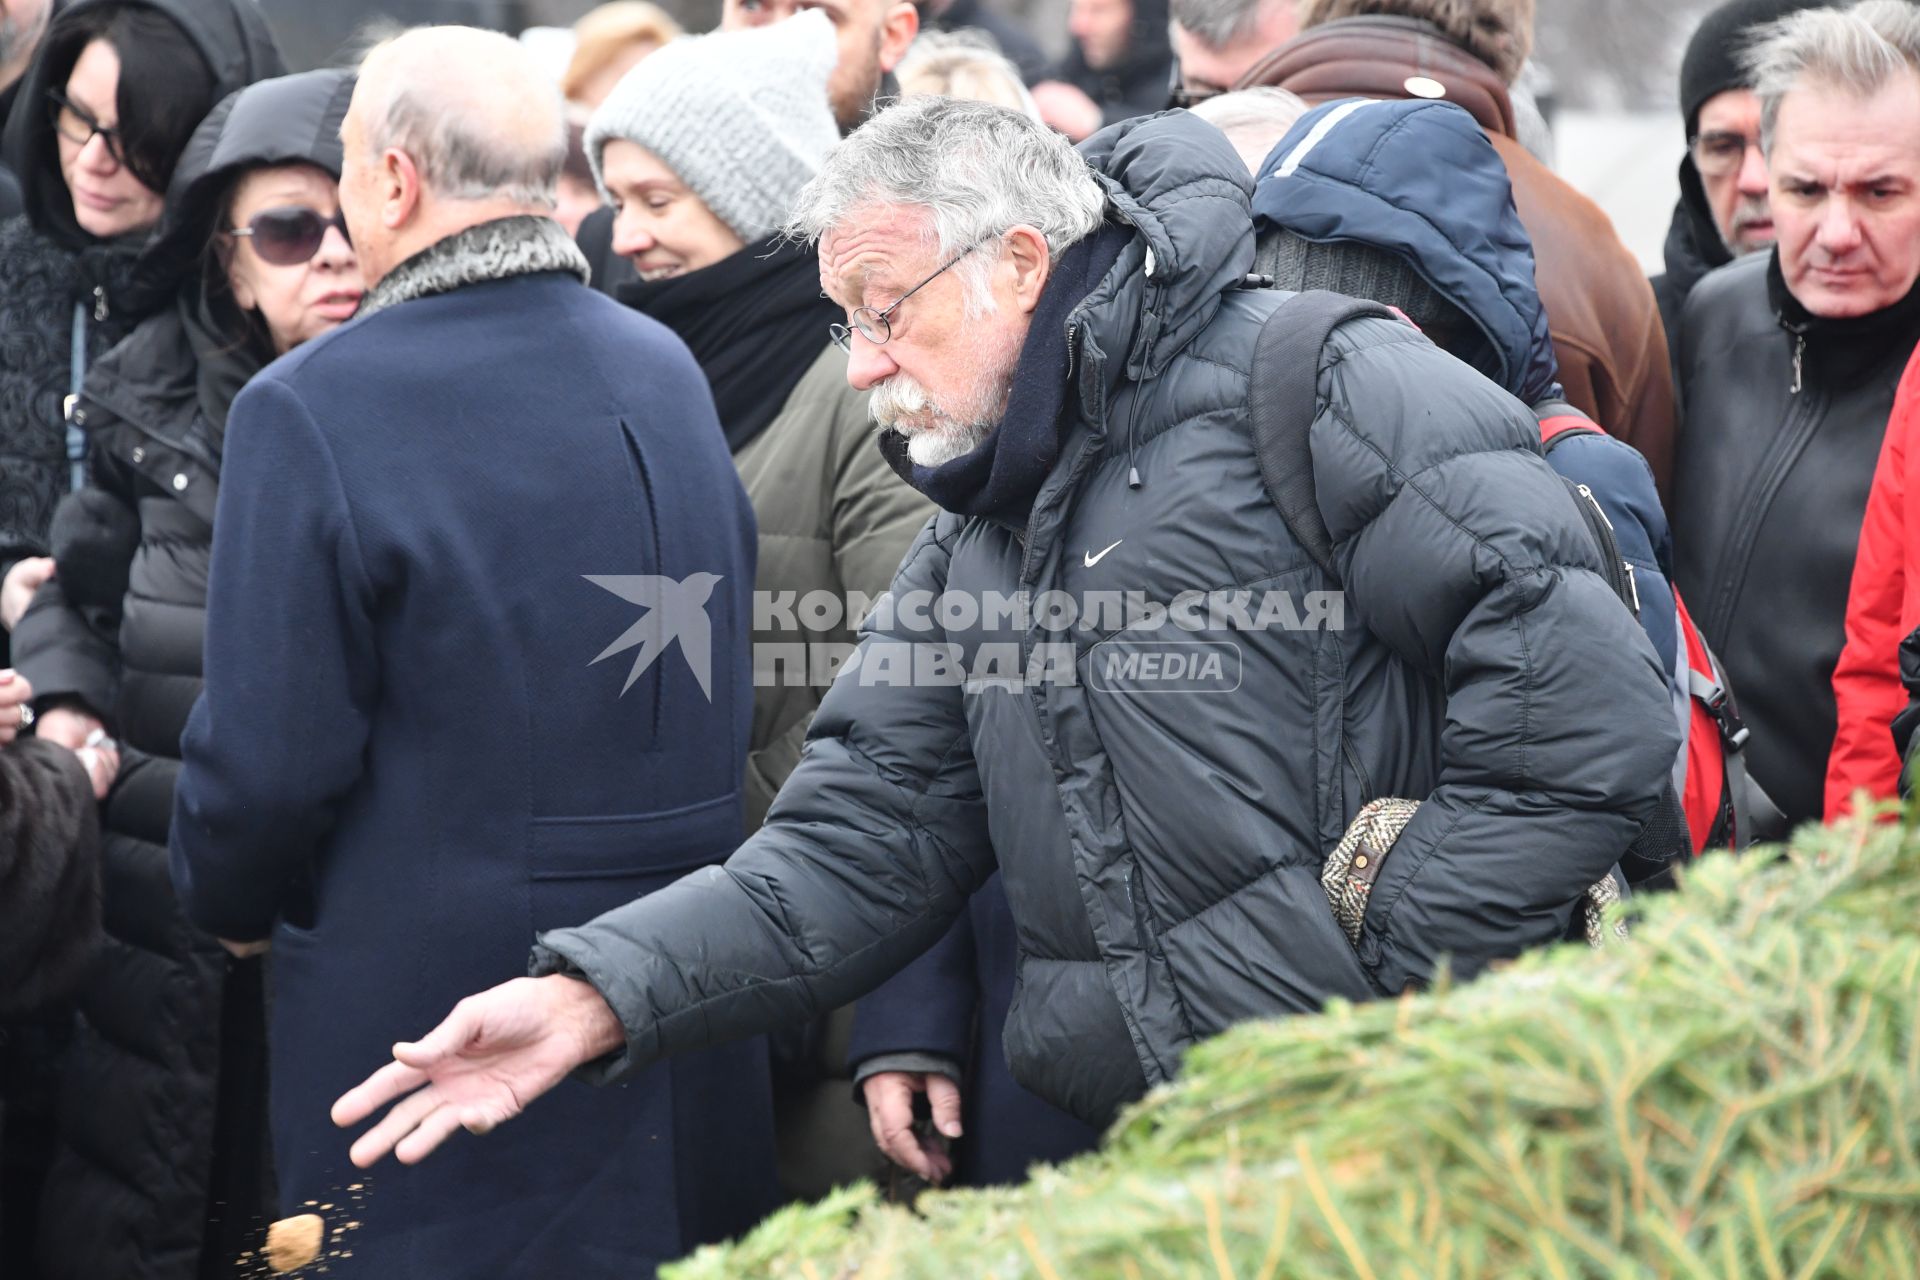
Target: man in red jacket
[[1883, 606]]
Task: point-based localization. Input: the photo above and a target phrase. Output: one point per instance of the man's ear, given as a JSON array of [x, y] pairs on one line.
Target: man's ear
[[897, 31], [1026, 249], [401, 190]]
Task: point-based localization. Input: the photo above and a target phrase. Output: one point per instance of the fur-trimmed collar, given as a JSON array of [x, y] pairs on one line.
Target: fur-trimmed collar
[[521, 245]]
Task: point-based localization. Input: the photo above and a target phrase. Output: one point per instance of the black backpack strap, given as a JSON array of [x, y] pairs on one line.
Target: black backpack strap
[[1282, 398]]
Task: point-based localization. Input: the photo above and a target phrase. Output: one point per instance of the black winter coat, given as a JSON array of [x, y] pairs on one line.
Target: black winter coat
[[1162, 854], [165, 1087], [40, 281], [48, 266], [166, 1090], [1785, 414]]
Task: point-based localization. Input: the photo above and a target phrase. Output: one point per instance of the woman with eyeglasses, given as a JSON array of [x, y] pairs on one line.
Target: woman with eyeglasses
[[253, 237], [98, 121], [702, 149]]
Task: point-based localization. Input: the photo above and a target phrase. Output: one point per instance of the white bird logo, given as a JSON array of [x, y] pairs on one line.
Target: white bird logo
[[676, 610]]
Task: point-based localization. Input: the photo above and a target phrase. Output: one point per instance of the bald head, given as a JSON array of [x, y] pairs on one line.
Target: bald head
[[471, 107], [449, 127]]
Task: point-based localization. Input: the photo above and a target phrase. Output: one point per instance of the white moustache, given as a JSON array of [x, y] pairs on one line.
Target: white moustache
[[897, 398]]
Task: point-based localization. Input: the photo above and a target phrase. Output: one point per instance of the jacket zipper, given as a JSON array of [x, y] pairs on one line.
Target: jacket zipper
[[1359, 770], [1803, 416], [1799, 355], [1619, 572]]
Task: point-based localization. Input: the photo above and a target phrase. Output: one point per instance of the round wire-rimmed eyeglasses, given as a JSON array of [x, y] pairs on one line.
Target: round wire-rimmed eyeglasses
[[873, 325]]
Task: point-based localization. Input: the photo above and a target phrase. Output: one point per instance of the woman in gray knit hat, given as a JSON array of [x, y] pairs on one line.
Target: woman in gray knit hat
[[701, 149]]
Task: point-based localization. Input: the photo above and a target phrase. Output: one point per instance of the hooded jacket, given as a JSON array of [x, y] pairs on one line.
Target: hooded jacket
[[1162, 855], [1420, 179], [121, 629], [1607, 336], [48, 265]]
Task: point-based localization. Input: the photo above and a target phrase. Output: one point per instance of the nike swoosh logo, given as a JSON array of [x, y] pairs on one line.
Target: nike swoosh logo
[[1093, 559]]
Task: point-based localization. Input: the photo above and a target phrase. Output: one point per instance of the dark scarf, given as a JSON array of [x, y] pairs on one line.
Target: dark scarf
[[1841, 352], [754, 320], [1001, 478]]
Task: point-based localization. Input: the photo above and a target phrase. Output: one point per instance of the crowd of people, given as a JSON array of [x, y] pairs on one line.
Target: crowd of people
[[905, 584]]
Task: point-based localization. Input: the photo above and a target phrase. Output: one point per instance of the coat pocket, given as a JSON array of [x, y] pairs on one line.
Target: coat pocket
[[663, 842], [582, 866]]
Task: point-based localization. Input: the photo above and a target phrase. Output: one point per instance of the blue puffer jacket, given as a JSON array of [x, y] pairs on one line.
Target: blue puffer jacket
[[1421, 180]]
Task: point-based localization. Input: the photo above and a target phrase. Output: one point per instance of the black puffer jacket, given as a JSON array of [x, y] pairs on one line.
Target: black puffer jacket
[[48, 265], [1785, 414], [120, 628], [1162, 854]]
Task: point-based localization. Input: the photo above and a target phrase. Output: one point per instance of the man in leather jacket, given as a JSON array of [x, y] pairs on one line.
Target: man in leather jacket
[[1788, 363]]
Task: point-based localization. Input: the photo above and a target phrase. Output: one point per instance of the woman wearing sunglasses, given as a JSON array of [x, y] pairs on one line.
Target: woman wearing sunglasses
[[98, 121], [114, 642], [702, 149]]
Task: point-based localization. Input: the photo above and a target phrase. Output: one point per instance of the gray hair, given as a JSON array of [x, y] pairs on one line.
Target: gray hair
[[1859, 49], [1217, 23], [1254, 120], [977, 169], [963, 64], [458, 156]]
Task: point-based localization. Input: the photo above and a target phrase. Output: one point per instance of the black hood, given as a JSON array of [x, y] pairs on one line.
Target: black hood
[[1177, 182], [230, 34], [285, 120], [1694, 244]]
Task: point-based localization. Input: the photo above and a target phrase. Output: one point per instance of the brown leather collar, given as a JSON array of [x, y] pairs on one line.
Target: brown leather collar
[[1386, 57]]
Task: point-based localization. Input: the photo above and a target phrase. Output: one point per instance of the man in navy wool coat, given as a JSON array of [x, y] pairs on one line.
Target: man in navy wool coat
[[476, 667]]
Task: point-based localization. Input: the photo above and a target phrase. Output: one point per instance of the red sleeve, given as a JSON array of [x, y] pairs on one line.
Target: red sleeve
[[1866, 683]]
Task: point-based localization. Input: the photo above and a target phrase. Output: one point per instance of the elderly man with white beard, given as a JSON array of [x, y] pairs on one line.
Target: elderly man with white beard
[[1061, 345]]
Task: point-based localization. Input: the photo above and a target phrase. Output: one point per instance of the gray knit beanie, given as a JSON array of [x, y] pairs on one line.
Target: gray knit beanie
[[741, 117], [1359, 270]]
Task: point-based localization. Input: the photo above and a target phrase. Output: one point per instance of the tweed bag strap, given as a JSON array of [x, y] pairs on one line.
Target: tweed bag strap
[[1350, 871]]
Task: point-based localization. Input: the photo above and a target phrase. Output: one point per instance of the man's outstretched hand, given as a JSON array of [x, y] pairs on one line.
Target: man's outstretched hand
[[495, 1053]]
